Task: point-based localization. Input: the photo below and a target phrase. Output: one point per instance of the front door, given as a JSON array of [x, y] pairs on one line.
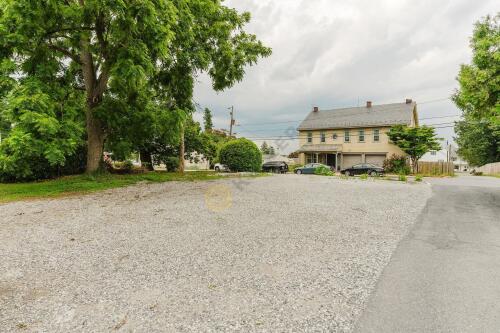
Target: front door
[[330, 161]]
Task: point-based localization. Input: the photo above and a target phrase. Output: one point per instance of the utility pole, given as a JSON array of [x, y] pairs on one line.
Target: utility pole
[[232, 121]]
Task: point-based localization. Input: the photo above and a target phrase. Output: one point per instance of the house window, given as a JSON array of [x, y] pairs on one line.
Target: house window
[[311, 158], [323, 136], [309, 137], [433, 152], [347, 136], [376, 135], [334, 136], [361, 135]]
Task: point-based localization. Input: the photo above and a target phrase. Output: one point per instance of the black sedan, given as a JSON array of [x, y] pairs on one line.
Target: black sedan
[[275, 166], [363, 168]]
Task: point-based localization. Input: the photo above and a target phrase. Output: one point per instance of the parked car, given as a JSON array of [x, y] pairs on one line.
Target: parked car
[[359, 169], [309, 168], [220, 167], [275, 166]]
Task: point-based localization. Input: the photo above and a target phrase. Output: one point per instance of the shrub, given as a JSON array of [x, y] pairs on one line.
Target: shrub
[[418, 178], [241, 155], [323, 171], [396, 164], [402, 177], [172, 163], [363, 176]]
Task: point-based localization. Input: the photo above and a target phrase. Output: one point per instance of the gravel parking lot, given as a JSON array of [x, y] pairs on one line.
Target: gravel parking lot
[[280, 253]]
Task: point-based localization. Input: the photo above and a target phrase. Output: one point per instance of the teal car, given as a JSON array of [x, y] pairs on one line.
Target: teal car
[[309, 168]]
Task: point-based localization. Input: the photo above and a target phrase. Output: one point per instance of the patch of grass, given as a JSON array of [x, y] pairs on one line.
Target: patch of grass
[[418, 178], [82, 184], [363, 176], [402, 178]]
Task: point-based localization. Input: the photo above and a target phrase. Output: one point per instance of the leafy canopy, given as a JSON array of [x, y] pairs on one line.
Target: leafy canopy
[[478, 134], [414, 141], [135, 61]]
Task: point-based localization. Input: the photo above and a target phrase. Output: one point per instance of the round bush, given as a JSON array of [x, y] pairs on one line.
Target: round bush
[[241, 155]]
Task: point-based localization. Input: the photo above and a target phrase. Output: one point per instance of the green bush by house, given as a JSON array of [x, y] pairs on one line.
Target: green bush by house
[[323, 171], [396, 164], [241, 155]]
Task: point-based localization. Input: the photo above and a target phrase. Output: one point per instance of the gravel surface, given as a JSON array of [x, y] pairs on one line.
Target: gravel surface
[[281, 253]]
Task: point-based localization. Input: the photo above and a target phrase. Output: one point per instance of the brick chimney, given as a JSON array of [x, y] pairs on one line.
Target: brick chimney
[[369, 104], [315, 109], [408, 101]]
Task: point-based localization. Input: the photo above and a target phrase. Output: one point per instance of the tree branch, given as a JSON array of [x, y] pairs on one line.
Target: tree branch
[[66, 52]]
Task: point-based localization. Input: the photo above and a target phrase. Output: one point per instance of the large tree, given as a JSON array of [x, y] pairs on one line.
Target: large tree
[[478, 134], [127, 56], [414, 141]]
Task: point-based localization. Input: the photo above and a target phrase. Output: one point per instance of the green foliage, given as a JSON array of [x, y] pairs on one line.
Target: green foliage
[[414, 141], [216, 140], [241, 155], [418, 178], [363, 176], [46, 132], [207, 120], [323, 171], [267, 149], [402, 178], [172, 163], [478, 142], [135, 61], [396, 164], [478, 134]]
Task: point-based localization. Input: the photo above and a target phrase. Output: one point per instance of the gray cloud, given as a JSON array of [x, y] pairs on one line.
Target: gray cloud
[[338, 53]]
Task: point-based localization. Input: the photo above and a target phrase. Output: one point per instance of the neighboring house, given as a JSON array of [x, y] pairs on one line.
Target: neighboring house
[[343, 137], [435, 156], [446, 153]]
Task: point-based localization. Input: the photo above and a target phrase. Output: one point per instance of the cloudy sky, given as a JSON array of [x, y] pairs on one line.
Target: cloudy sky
[[333, 53]]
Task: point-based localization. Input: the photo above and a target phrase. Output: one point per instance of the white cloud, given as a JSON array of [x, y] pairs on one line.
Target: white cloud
[[336, 53]]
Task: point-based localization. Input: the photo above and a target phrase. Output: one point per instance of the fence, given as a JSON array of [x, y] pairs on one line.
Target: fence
[[436, 168], [489, 169]]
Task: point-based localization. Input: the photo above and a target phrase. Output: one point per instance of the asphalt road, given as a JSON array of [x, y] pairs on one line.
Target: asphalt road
[[445, 276]]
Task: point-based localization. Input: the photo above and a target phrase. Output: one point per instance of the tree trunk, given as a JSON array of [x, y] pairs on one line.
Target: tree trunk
[[95, 142], [146, 160], [181, 150]]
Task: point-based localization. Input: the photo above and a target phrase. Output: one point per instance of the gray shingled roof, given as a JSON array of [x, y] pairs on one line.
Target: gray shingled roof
[[377, 115]]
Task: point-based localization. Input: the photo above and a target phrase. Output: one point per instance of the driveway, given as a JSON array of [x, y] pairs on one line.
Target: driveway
[[280, 253], [445, 276]]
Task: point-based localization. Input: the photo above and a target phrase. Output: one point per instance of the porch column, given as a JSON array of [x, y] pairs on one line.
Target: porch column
[[336, 161]]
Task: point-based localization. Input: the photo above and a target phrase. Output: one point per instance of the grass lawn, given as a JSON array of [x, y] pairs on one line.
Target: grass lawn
[[82, 184]]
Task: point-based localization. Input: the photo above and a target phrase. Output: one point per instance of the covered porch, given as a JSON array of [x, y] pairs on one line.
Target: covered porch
[[325, 154]]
